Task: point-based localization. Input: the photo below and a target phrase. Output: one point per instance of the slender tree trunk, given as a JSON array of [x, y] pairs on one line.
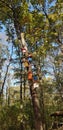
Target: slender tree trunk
[[7, 95], [42, 106], [21, 85], [24, 84]]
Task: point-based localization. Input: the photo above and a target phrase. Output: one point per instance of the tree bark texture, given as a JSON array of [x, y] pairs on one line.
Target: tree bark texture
[[36, 108]]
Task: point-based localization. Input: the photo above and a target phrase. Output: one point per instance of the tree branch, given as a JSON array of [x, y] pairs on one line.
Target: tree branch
[[59, 41], [6, 73], [7, 14], [6, 4], [5, 78]]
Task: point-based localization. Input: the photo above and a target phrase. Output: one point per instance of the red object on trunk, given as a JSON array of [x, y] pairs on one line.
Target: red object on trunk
[[23, 50], [30, 75]]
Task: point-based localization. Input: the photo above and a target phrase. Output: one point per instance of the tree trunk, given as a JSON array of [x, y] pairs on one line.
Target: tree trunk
[[35, 100], [36, 108]]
